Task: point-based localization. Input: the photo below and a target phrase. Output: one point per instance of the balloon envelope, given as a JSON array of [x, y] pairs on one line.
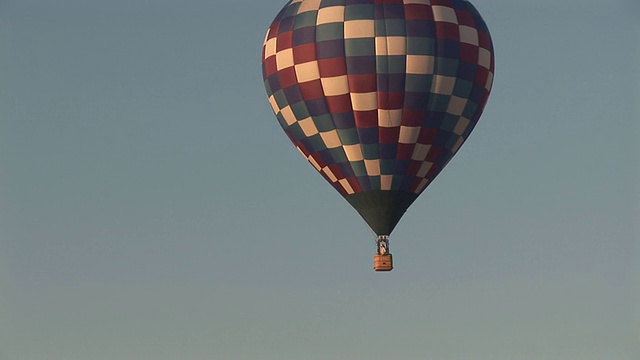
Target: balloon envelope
[[378, 95]]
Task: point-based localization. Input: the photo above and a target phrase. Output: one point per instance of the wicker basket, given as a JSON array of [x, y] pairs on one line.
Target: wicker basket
[[382, 262]]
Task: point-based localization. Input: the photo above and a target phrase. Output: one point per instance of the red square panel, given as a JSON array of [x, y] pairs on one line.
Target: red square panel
[[433, 153], [362, 83], [404, 151], [412, 117], [484, 40], [427, 135], [417, 12], [270, 66], [302, 148], [465, 18], [332, 67], [355, 185], [318, 158], [339, 104], [335, 169], [304, 53], [287, 77], [469, 53], [481, 76], [285, 41], [447, 30], [414, 184], [391, 100], [388, 135], [414, 167], [433, 172], [366, 119], [311, 90], [273, 30]]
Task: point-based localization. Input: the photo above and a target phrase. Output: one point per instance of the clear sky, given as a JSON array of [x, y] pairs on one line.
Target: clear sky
[[152, 208]]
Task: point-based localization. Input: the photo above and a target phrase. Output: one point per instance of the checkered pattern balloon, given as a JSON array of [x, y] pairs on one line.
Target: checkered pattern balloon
[[378, 95]]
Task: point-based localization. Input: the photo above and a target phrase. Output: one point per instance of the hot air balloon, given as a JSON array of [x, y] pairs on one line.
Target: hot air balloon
[[378, 95]]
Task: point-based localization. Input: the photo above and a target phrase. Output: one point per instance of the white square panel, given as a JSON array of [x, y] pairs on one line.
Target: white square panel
[[308, 127], [354, 29], [456, 105], [420, 152], [284, 59], [330, 174], [373, 167], [391, 45], [308, 71], [457, 145], [408, 134], [364, 101], [354, 152], [389, 118], [443, 84], [420, 64], [461, 125], [424, 169], [314, 163], [346, 186], [331, 139], [484, 58], [385, 182], [274, 104], [444, 14], [270, 47], [334, 86], [468, 35], [423, 184], [330, 14], [288, 115], [489, 81], [308, 5]]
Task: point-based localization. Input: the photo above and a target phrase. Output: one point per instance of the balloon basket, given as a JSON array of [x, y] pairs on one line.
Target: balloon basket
[[382, 262]]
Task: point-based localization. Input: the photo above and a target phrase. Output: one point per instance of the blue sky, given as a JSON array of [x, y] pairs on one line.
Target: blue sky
[[152, 208]]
